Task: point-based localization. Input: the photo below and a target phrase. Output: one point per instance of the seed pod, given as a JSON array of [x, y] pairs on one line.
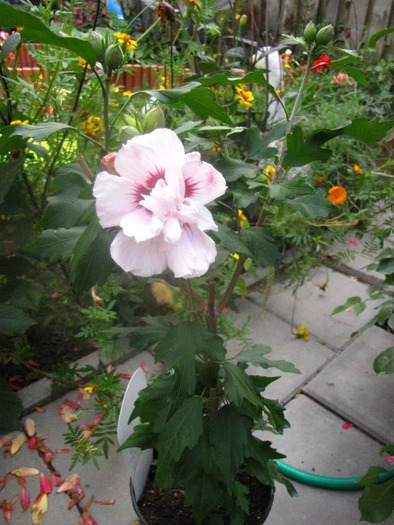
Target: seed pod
[[325, 35], [127, 132]]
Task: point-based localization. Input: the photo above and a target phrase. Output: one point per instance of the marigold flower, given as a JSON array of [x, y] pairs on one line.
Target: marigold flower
[[82, 62], [357, 169], [92, 125], [127, 93], [337, 195], [245, 98], [322, 63], [303, 332], [215, 147], [320, 180], [158, 203]]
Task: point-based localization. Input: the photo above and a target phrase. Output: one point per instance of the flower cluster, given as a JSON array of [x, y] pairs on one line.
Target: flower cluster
[[321, 64]]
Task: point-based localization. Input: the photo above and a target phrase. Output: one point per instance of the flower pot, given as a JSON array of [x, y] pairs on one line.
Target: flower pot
[[139, 464]]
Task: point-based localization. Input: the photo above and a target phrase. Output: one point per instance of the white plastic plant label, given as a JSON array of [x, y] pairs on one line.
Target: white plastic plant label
[[138, 461]]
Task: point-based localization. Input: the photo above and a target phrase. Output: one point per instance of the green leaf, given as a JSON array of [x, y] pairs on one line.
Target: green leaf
[[201, 101], [301, 152], [231, 241], [313, 206], [234, 169], [289, 189], [9, 44], [368, 131], [56, 244], [35, 30], [377, 502], [204, 495], [384, 363], [182, 431], [39, 131], [378, 35], [262, 245], [255, 356], [238, 386], [13, 320], [8, 172], [65, 208], [91, 263], [229, 434], [355, 303], [258, 147], [10, 408]]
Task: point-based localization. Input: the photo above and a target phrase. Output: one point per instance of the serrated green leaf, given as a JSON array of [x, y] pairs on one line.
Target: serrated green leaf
[[9, 44], [314, 206], [377, 502], [13, 320], [234, 169], [10, 408], [301, 152], [289, 189], [238, 386], [229, 434], [40, 131], [56, 244], [384, 363], [8, 172], [65, 208], [350, 304], [201, 101], [262, 245], [204, 495], [182, 431], [231, 241], [35, 30], [258, 147], [368, 131], [255, 356]]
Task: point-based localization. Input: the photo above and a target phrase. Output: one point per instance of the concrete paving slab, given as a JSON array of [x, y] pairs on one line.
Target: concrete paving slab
[[307, 356], [111, 481], [317, 443], [312, 306], [350, 386]]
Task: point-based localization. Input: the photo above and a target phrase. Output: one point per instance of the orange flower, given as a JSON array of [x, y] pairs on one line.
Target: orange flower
[[357, 169], [245, 98], [337, 195], [320, 180]]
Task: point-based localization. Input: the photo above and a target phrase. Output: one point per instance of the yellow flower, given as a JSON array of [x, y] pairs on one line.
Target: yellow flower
[[245, 98], [90, 388], [216, 147], [165, 83], [242, 217], [16, 122], [357, 169], [270, 172], [127, 93], [302, 331], [92, 125], [235, 256], [337, 195], [82, 63], [194, 4], [280, 92], [126, 40]]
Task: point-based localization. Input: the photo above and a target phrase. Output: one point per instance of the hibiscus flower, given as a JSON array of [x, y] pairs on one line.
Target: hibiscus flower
[[157, 199]]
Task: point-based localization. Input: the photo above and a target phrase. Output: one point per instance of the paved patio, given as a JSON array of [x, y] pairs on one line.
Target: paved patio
[[337, 386]]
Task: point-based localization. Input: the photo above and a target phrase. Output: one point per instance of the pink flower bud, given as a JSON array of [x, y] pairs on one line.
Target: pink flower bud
[[25, 500], [108, 163]]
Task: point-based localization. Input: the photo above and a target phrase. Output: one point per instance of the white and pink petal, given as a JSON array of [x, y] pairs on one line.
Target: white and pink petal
[[203, 183], [114, 199]]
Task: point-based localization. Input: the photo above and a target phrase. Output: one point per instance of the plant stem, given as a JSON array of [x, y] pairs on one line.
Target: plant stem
[[107, 129]]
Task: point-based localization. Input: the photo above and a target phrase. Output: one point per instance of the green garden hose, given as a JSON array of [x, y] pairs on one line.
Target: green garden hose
[[326, 482]]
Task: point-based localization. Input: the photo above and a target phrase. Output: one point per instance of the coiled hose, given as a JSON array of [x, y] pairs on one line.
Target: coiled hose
[[326, 482]]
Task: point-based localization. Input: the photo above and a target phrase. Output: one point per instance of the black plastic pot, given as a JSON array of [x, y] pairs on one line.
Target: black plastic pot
[[144, 522]]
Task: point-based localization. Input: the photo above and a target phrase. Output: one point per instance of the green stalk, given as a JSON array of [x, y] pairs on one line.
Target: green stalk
[[107, 129]]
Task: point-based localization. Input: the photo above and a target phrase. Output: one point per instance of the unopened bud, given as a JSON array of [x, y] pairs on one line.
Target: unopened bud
[[243, 20], [108, 163], [325, 35], [310, 33], [154, 119], [127, 132], [98, 45], [113, 57]]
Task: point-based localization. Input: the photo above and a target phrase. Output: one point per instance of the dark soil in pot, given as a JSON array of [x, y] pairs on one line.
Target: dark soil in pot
[[166, 507]]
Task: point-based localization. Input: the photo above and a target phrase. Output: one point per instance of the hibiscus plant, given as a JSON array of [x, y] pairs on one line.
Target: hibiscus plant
[[170, 208]]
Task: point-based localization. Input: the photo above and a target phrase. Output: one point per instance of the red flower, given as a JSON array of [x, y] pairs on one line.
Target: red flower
[[322, 63]]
